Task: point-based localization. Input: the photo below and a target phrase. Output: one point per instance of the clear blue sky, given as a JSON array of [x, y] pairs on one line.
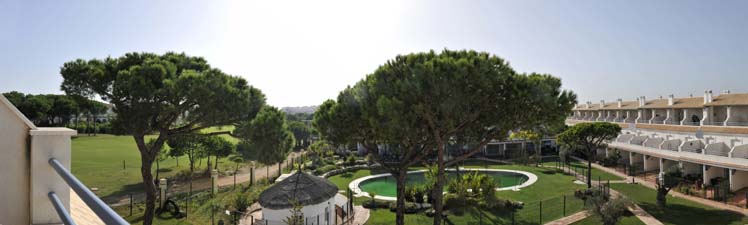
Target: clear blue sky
[[303, 52]]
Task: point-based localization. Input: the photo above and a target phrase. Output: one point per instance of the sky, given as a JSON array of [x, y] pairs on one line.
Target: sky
[[301, 53]]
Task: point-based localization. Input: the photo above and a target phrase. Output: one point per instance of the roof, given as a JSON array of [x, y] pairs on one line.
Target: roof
[[610, 105], [685, 103], [655, 104], [729, 99], [304, 188], [629, 105]]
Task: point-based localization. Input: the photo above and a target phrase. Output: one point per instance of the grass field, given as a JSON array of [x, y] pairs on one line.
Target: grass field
[[678, 210], [112, 164], [596, 173], [550, 190]]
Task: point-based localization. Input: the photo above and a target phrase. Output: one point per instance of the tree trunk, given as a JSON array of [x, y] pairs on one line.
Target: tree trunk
[[437, 191], [400, 213], [661, 197], [589, 173], [147, 157]]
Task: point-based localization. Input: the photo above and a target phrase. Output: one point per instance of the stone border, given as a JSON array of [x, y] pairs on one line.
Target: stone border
[[354, 185]]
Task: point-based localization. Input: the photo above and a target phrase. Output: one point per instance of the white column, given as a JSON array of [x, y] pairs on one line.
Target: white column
[[729, 113], [685, 117], [47, 143]]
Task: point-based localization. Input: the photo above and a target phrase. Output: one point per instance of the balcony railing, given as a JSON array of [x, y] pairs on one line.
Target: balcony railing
[[691, 123], [106, 214], [714, 123], [657, 121], [670, 122], [642, 121], [741, 124]]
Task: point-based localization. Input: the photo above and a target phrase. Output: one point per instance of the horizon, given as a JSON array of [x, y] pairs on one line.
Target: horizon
[[302, 53]]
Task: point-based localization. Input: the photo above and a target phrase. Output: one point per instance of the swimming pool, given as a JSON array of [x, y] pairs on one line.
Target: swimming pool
[[384, 185]]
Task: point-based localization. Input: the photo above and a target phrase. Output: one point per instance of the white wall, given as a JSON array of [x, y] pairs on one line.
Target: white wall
[[713, 172], [278, 215], [738, 180], [651, 163], [14, 170]]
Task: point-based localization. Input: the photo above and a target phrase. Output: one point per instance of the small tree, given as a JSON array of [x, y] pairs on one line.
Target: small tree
[[296, 217], [532, 137], [587, 138], [666, 181], [266, 138], [610, 211]]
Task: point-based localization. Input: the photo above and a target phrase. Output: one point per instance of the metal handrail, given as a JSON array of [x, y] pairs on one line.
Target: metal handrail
[[57, 203], [106, 214]]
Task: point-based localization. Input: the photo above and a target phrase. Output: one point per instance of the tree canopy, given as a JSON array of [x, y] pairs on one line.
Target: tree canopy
[[49, 109], [586, 138], [266, 138], [415, 104], [169, 94]]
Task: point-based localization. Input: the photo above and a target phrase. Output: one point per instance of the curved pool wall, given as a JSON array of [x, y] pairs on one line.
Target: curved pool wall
[[355, 185]]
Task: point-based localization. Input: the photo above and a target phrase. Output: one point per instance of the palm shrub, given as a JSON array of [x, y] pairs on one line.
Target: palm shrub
[[409, 194], [418, 194]]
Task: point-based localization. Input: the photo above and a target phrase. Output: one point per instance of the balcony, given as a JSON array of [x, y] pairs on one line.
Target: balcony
[[642, 121], [713, 123], [737, 124]]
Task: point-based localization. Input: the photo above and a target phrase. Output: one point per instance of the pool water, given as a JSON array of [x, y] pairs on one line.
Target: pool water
[[386, 186]]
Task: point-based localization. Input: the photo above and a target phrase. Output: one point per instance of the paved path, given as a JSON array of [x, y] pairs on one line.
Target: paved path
[[570, 219]]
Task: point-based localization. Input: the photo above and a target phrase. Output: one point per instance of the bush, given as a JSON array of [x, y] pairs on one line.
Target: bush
[[325, 169], [410, 207], [418, 194], [242, 202], [350, 161], [454, 203], [409, 193]]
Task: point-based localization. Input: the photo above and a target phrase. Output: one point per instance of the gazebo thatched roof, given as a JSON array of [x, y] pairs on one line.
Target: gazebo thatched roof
[[303, 188]]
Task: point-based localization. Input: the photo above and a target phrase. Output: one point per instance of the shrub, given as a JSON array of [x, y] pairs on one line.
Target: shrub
[[242, 202], [324, 169], [418, 194], [409, 207], [350, 161], [409, 192]]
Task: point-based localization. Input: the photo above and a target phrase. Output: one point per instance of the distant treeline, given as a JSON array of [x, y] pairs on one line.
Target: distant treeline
[[76, 112]]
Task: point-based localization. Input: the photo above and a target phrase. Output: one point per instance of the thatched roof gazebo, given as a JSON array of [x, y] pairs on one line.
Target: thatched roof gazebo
[[318, 197]]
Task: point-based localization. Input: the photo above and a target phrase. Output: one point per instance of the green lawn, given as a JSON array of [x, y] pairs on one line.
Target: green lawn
[[678, 210], [550, 189], [98, 162], [596, 173]]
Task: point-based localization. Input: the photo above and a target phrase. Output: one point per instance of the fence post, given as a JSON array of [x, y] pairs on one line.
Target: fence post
[[541, 212], [564, 213], [513, 216], [131, 202], [212, 211], [251, 176]]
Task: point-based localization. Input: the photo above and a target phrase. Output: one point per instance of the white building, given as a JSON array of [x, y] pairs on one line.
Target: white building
[[707, 137]]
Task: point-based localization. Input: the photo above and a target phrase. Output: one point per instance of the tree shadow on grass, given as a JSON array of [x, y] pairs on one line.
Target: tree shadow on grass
[[124, 191]]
